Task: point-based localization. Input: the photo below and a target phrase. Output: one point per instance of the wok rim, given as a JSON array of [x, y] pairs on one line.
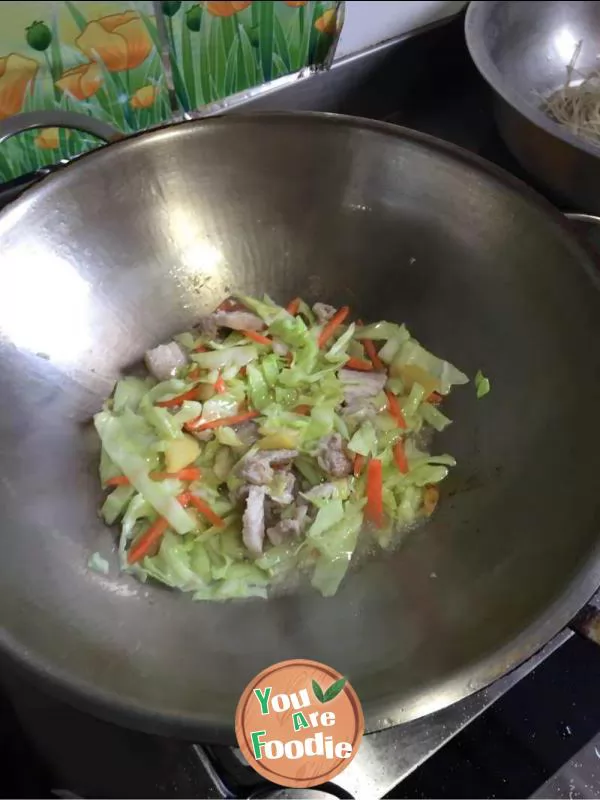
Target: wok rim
[[576, 592], [475, 15]]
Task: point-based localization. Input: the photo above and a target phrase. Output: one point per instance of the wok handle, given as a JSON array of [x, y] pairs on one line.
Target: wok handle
[[587, 622], [57, 119], [574, 216], [586, 228]]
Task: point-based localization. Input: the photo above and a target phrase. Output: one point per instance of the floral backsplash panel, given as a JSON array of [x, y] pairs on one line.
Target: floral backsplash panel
[[218, 49], [138, 64], [101, 59]]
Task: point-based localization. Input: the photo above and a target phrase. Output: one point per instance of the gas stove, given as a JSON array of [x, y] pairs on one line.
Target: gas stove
[[424, 81]]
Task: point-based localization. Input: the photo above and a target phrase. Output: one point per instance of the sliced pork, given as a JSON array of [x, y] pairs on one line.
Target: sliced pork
[[256, 470], [361, 384], [247, 432], [253, 522], [332, 457], [238, 320], [164, 361], [207, 326], [285, 530], [323, 312]]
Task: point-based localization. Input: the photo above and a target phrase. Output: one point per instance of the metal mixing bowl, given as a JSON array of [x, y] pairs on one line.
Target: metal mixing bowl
[[522, 50]]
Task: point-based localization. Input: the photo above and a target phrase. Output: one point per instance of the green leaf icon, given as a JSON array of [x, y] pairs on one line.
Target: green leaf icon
[[331, 693], [318, 692], [334, 690]]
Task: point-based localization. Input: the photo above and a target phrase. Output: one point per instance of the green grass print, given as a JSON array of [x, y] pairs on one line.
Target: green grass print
[[211, 57], [111, 103], [218, 56]]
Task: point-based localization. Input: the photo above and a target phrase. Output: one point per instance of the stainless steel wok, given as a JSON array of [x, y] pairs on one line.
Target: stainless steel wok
[[129, 245]]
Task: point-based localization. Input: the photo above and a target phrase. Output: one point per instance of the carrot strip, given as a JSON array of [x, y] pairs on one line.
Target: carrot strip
[[220, 386], [118, 480], [186, 474], [435, 398], [293, 306], [146, 542], [205, 510], [358, 464], [332, 325], [372, 353], [359, 364], [154, 533], [374, 507], [395, 410], [302, 409], [400, 457], [194, 425], [177, 401], [144, 545], [257, 337]]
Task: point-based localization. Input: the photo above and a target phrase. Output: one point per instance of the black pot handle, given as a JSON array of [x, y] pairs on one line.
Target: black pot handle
[[575, 216], [57, 119], [49, 119], [587, 622]]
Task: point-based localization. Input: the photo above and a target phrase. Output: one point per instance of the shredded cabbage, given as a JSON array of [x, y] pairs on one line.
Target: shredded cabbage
[[116, 503], [482, 384], [381, 331], [291, 330], [340, 345], [336, 549], [121, 448], [128, 393], [364, 441], [411, 352], [232, 357], [221, 405], [275, 415], [98, 564], [434, 417]]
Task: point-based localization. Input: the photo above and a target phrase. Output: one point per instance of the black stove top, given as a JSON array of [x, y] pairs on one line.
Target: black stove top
[[498, 743]]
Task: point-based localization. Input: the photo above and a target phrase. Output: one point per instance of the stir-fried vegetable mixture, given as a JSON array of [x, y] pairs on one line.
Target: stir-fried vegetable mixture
[[265, 441]]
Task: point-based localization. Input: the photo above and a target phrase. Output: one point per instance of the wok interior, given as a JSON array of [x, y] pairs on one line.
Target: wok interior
[[133, 243]]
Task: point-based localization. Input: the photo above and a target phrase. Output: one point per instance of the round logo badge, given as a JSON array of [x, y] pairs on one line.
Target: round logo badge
[[299, 723]]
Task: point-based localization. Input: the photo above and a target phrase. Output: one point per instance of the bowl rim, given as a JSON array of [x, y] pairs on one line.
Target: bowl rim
[[478, 11]]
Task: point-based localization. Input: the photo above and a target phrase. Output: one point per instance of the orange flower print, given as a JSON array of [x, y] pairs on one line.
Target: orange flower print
[[225, 9], [82, 81], [49, 138], [16, 73], [295, 3], [144, 97], [120, 41], [327, 22]]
